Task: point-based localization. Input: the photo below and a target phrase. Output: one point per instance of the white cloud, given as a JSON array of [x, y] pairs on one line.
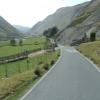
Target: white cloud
[[29, 12]]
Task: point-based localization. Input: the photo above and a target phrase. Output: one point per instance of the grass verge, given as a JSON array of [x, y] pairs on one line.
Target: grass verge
[[92, 51], [13, 87]]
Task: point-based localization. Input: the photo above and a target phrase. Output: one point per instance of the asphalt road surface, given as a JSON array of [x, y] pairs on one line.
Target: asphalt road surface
[[73, 78]]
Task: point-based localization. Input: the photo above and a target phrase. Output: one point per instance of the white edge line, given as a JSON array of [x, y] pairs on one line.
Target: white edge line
[[43, 76], [88, 60]]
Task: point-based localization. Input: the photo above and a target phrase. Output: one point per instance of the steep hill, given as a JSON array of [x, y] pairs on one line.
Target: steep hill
[[73, 22], [87, 21], [61, 18], [7, 31]]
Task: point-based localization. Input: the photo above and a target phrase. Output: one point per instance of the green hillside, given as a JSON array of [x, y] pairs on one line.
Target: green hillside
[[7, 31]]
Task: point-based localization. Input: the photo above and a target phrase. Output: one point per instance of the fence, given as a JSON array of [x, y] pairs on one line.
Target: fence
[[9, 69], [13, 58], [16, 57]]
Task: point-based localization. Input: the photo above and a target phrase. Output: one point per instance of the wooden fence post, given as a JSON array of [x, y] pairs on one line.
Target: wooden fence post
[[19, 69], [28, 64], [6, 71]]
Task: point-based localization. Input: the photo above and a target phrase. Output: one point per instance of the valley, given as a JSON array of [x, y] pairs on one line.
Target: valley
[[58, 58]]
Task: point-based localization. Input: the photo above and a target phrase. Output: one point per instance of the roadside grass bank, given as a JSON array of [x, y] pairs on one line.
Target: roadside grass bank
[[13, 87], [92, 51]]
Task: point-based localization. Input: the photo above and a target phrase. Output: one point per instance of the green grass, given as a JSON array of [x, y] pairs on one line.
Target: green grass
[[4, 43], [21, 66], [92, 51], [17, 83], [28, 44]]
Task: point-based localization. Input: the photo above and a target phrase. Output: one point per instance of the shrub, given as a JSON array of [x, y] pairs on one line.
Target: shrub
[[38, 72], [13, 42], [58, 55], [46, 66], [92, 36], [21, 42], [52, 62], [40, 63]]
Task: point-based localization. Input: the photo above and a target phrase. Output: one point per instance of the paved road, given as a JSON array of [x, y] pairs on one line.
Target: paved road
[[73, 78]]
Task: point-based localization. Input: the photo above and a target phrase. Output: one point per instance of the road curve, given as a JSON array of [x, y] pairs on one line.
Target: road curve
[[73, 78]]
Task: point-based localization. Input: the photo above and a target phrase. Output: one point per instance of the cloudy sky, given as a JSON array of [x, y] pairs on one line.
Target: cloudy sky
[[29, 12]]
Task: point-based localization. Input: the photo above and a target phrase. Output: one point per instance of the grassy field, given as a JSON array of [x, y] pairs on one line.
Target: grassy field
[[4, 43], [22, 65], [29, 44], [18, 81], [92, 51]]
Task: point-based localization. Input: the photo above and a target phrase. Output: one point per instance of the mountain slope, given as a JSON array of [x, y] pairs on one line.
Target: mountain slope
[[61, 18], [22, 28], [86, 22], [7, 31]]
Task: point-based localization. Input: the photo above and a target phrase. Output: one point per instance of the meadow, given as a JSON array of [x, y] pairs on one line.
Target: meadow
[[17, 77], [13, 68], [28, 44], [18, 82]]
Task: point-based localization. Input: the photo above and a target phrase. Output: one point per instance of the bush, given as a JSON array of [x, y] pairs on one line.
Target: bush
[[40, 63], [13, 42], [92, 36], [46, 66], [58, 55], [38, 72], [52, 62]]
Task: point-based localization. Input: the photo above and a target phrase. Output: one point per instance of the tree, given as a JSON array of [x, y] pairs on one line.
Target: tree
[[20, 42], [45, 32], [54, 30], [50, 32], [93, 36], [13, 42]]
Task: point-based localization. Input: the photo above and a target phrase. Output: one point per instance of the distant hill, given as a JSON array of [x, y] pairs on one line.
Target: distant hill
[[34, 29], [22, 28], [86, 21], [61, 18], [73, 22], [7, 31]]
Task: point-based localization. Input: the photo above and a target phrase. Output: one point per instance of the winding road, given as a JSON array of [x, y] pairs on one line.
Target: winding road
[[72, 78]]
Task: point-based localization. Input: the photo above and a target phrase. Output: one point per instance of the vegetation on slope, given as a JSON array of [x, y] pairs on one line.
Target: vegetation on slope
[[17, 82], [80, 19], [7, 31], [91, 50]]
